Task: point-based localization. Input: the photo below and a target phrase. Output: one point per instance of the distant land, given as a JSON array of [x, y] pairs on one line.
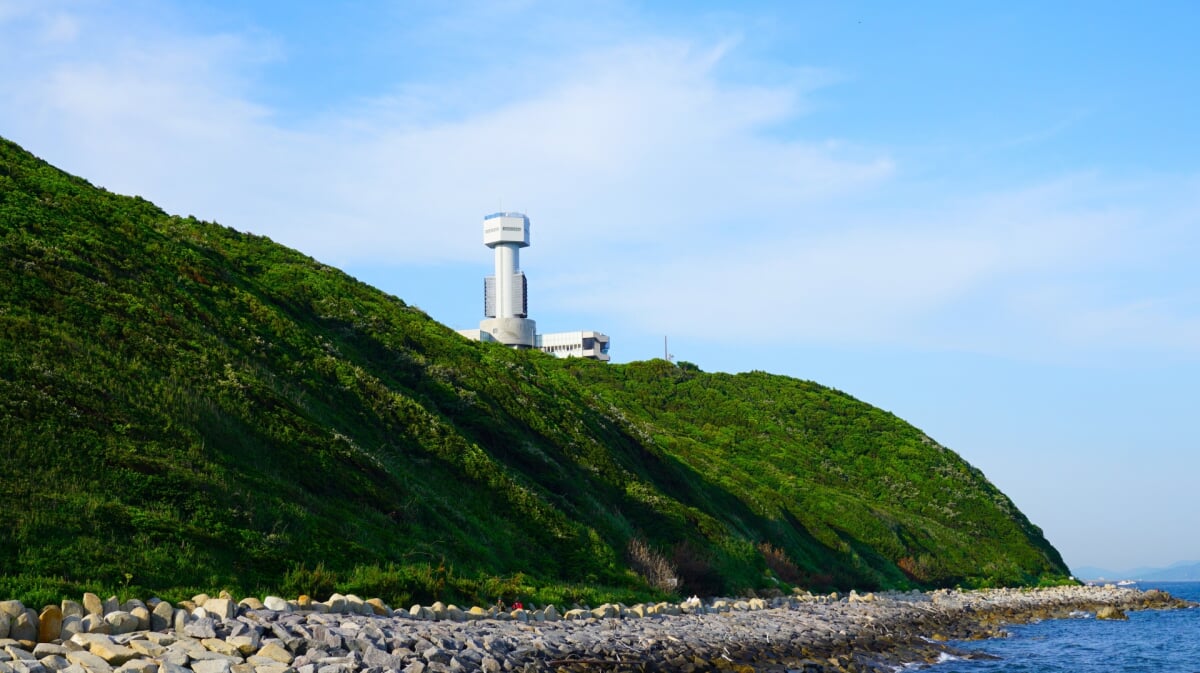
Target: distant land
[[1176, 572]]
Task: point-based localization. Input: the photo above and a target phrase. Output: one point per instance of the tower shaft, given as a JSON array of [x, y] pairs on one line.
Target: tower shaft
[[507, 261]]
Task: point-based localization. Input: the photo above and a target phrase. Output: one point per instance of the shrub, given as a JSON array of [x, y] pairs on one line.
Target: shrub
[[318, 582], [389, 584], [652, 566], [36, 592], [697, 574], [504, 589], [780, 564], [821, 582]]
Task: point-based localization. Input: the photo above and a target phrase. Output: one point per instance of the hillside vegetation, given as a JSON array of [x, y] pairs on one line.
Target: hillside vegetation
[[184, 406]]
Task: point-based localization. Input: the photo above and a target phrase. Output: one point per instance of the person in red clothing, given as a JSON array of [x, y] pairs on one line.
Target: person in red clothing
[[517, 605]]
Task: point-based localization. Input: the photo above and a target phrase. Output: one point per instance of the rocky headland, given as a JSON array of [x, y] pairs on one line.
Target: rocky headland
[[858, 632]]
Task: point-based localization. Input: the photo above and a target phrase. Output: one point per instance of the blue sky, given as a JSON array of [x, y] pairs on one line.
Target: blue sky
[[983, 217]]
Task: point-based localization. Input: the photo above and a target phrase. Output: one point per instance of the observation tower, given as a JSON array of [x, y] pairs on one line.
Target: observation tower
[[505, 294], [506, 299]]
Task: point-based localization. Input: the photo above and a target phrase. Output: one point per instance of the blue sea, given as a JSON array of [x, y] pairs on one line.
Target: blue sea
[[1152, 641]]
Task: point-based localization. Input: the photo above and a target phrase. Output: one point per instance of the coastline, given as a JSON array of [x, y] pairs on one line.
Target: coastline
[[869, 632]]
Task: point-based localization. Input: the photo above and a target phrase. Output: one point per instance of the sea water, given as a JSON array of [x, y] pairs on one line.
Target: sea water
[[1152, 641]]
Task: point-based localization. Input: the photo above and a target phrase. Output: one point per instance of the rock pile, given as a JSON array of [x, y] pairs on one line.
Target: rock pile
[[346, 634]]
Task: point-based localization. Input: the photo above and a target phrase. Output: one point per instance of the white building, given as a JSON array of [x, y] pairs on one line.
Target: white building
[[506, 298], [578, 344]]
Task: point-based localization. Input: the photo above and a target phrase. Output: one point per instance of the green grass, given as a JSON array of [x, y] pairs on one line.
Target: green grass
[[200, 409]]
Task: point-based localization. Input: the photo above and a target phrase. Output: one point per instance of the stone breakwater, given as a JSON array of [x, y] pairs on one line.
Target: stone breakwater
[[869, 632]]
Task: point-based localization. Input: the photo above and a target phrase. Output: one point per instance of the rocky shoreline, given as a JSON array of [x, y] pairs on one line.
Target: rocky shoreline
[[345, 634]]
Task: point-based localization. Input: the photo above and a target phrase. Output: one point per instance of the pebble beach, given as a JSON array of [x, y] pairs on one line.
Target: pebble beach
[[345, 634]]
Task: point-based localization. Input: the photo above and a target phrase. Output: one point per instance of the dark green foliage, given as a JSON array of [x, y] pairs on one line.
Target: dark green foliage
[[833, 484], [318, 581], [183, 406]]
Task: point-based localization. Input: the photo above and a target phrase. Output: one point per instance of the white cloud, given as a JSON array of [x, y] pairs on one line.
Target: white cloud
[[662, 194], [140, 110], [642, 144], [644, 129], [1011, 274]]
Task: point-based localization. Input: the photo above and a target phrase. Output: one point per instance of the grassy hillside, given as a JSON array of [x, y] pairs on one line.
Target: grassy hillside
[[186, 406]]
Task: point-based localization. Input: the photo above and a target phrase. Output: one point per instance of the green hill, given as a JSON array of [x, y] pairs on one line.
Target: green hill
[[186, 406]]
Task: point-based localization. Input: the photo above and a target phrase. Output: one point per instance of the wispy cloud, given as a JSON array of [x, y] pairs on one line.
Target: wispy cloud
[[645, 129], [640, 147], [642, 165], [1012, 274]]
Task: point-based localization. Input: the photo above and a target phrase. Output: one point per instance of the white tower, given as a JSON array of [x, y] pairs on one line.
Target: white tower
[[505, 300]]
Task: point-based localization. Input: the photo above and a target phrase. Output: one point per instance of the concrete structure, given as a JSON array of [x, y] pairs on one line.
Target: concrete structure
[[506, 298], [578, 344]]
